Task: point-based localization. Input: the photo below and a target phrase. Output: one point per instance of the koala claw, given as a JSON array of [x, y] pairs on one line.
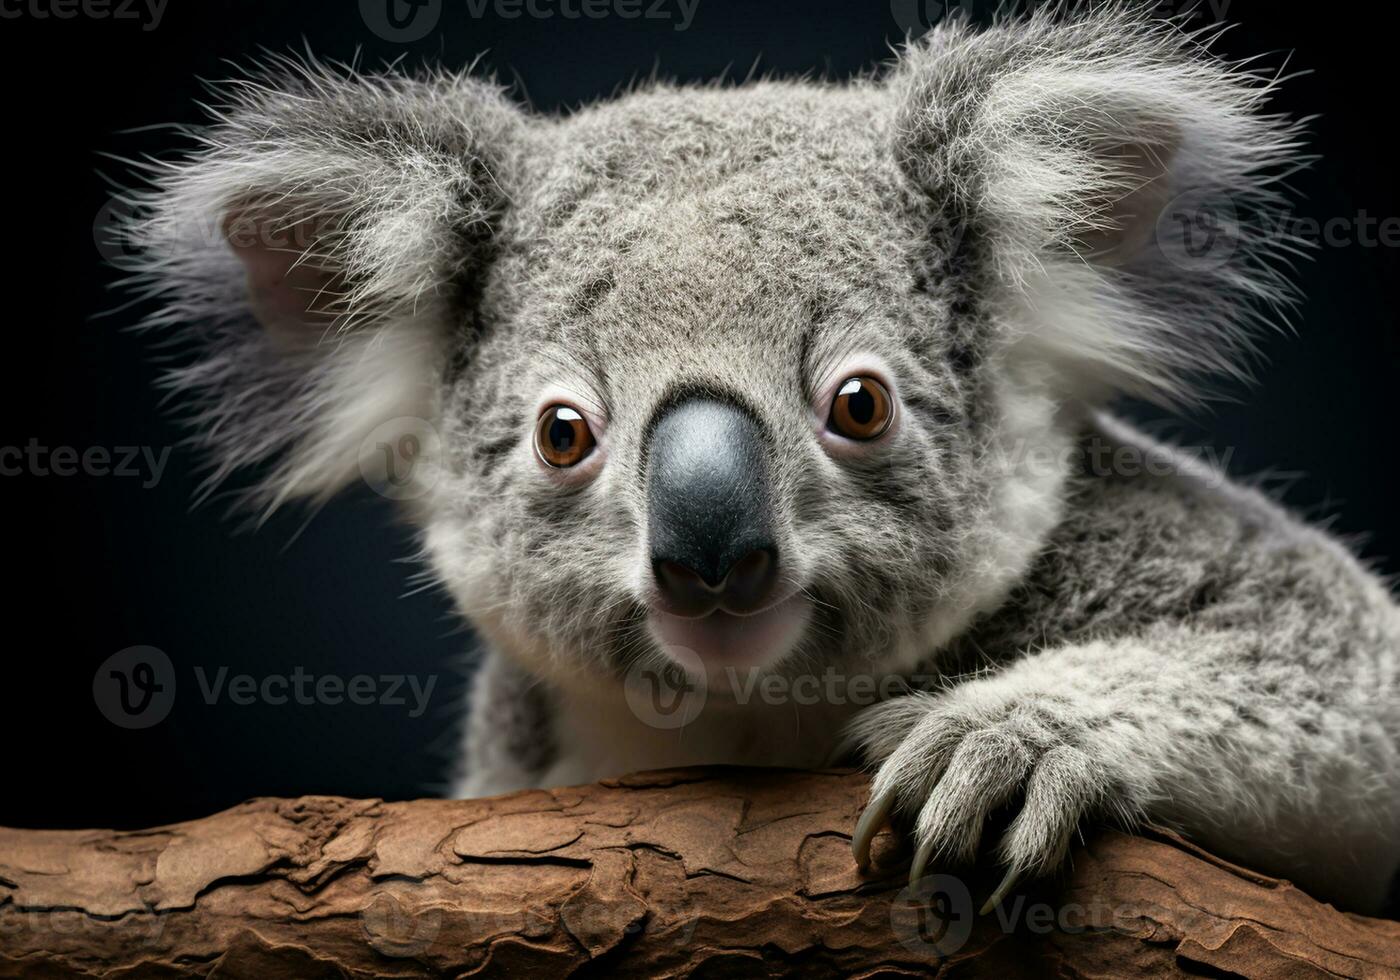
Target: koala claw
[[921, 859], [959, 757], [875, 814], [1008, 882]]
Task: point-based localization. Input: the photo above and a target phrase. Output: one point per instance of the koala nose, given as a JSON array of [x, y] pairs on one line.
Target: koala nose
[[709, 510]]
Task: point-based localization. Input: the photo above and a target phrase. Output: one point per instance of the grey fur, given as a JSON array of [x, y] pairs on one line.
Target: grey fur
[[978, 223]]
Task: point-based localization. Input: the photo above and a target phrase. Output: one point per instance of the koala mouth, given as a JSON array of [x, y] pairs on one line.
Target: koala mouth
[[725, 639]]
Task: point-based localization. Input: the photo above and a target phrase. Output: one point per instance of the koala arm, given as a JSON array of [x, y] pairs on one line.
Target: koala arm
[[1167, 727], [1241, 685], [509, 741]]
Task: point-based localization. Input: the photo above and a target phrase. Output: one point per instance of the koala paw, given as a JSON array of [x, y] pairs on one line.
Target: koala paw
[[954, 757]]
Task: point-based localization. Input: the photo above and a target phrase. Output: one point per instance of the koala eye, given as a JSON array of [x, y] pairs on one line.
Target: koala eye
[[562, 436], [862, 409]]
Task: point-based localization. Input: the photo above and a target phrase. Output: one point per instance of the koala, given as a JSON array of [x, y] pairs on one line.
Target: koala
[[798, 378]]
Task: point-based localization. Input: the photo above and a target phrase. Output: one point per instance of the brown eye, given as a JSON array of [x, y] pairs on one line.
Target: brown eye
[[562, 437], [862, 409]]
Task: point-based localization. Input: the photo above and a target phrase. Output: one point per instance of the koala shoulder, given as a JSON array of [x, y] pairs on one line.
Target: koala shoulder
[[1156, 535]]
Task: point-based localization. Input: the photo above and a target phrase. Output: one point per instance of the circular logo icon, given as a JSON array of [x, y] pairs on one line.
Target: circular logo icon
[[112, 233], [402, 458], [135, 687], [1198, 232], [401, 21], [403, 924], [598, 923], [670, 692], [914, 18], [933, 917]]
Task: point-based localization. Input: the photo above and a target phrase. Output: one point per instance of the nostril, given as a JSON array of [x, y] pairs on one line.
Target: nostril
[[685, 592], [743, 588], [750, 581]]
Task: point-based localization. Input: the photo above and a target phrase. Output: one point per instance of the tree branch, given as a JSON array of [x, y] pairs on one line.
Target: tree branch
[[680, 873]]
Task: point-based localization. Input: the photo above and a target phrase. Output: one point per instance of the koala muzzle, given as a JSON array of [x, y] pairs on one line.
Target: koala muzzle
[[709, 510]]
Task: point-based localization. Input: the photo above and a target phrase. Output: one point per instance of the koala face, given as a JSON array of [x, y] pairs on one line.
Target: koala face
[[738, 377], [702, 317]]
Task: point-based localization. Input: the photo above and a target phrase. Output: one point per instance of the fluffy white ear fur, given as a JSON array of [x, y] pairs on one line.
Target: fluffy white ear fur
[[1124, 179], [315, 246], [369, 366]]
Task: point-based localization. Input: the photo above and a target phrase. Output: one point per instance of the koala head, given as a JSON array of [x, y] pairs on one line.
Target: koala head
[[736, 376]]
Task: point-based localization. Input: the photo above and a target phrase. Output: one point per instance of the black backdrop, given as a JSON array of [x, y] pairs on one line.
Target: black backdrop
[[100, 563]]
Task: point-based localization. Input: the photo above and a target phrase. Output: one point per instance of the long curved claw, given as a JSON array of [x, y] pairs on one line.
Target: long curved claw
[[921, 859], [1001, 891], [877, 811]]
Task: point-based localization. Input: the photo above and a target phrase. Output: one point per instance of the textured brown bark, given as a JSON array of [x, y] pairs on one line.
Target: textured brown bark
[[684, 873]]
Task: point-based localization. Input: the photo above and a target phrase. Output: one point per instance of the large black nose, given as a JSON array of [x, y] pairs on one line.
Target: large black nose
[[709, 510]]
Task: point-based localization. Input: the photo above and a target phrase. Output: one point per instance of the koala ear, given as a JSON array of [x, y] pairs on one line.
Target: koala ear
[[1121, 224], [293, 291], [1117, 183], [324, 248]]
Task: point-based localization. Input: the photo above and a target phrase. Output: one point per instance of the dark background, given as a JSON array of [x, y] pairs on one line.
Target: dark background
[[97, 564]]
